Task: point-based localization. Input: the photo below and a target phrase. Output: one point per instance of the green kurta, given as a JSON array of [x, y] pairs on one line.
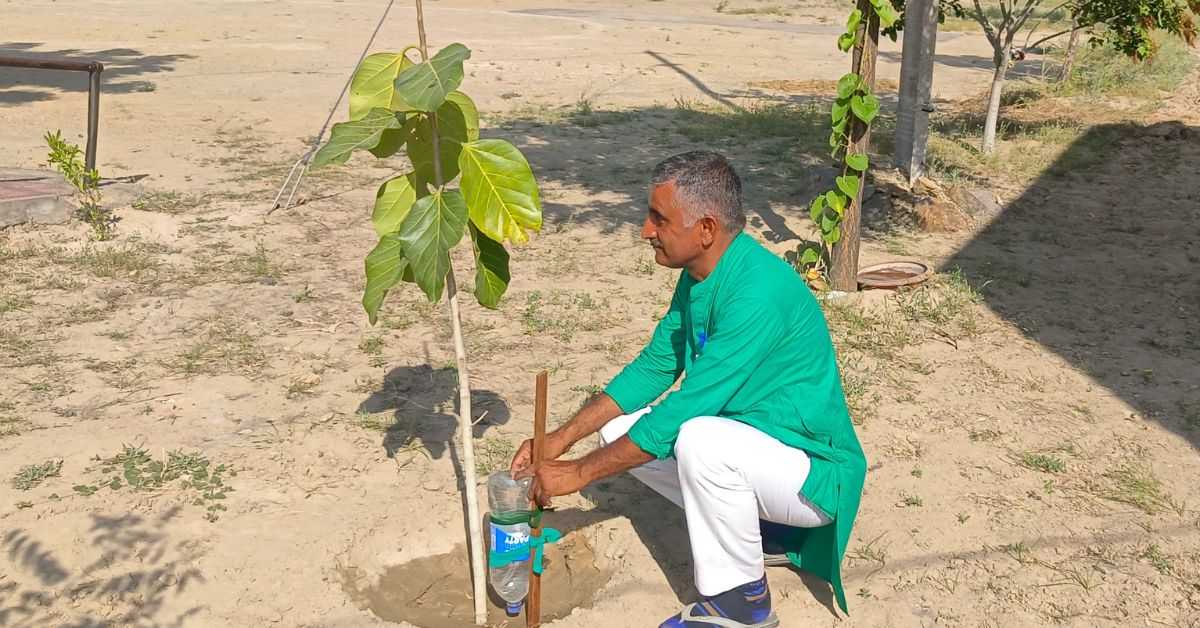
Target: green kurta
[[755, 347]]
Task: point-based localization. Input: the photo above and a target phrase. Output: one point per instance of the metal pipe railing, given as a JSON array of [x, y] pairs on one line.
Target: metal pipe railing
[[93, 68]]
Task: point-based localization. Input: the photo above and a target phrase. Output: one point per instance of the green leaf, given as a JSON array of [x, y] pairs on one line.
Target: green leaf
[[811, 255], [858, 161], [846, 41], [392, 140], [854, 20], [836, 201], [839, 127], [841, 107], [491, 268], [835, 140], [847, 85], [817, 209], [887, 14], [373, 84], [392, 202], [426, 85], [827, 224], [848, 184], [458, 122], [832, 236], [346, 137], [865, 108], [385, 267], [500, 190], [432, 227]]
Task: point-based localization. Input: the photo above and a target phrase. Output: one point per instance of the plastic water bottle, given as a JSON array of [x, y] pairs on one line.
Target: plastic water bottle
[[509, 497]]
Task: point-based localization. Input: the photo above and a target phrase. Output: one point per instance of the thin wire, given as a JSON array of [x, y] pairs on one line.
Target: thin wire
[[302, 163]]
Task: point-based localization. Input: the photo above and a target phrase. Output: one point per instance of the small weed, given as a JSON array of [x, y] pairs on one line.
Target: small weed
[[304, 295], [171, 202], [912, 500], [1042, 462], [67, 159], [1018, 552], [494, 454], [23, 505], [221, 345], [563, 314], [13, 302], [135, 469], [872, 553], [963, 517], [378, 362], [510, 95], [591, 390], [1136, 484], [371, 345], [299, 387], [1159, 560], [917, 472], [986, 435], [31, 475], [449, 365], [864, 593]]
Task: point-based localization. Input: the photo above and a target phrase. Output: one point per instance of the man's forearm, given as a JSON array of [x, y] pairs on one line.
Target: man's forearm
[[618, 456], [587, 421]]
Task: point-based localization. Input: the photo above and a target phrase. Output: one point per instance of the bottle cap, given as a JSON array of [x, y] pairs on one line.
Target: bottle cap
[[514, 608]]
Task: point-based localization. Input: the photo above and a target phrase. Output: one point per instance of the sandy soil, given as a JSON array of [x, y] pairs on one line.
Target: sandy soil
[[1032, 428]]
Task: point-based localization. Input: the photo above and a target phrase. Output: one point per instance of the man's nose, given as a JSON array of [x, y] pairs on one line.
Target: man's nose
[[648, 230]]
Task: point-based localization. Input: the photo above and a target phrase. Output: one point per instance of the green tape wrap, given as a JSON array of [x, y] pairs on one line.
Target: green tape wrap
[[500, 559]]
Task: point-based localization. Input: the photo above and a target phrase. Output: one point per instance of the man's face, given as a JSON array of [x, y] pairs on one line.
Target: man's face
[[674, 244]]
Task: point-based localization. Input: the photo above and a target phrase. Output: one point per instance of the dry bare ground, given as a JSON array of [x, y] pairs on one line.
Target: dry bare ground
[[238, 447]]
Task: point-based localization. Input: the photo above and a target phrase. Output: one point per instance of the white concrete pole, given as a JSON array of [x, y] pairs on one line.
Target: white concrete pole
[[916, 85]]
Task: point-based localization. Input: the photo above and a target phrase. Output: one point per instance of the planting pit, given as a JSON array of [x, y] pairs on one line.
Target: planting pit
[[433, 592]]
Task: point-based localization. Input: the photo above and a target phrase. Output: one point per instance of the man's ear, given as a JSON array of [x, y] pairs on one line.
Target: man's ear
[[708, 230]]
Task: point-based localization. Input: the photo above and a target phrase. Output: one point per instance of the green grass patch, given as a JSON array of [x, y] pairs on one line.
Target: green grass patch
[[31, 475], [1105, 71]]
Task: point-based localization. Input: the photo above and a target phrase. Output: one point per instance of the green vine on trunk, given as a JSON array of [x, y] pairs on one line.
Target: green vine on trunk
[[854, 104]]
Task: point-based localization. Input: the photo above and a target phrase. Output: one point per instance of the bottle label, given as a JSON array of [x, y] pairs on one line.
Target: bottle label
[[503, 541]]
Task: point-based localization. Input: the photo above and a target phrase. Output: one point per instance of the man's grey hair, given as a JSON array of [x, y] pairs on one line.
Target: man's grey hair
[[706, 185]]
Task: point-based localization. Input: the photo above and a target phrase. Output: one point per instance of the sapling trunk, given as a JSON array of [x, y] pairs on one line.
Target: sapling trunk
[[465, 428], [993, 109]]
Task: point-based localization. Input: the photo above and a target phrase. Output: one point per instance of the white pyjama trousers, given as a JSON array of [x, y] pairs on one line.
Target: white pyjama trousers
[[726, 475]]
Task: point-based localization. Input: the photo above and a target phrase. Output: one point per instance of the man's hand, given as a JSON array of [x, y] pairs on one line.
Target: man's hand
[[552, 478], [555, 447]]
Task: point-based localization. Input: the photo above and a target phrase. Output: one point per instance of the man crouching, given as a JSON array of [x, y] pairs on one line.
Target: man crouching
[[756, 444]]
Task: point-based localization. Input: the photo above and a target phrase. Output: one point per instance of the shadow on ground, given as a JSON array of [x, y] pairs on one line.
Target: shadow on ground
[[423, 401], [121, 67], [779, 148], [137, 569], [1097, 261]]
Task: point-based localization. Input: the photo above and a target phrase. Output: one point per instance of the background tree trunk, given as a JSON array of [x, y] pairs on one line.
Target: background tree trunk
[[843, 268], [1069, 60], [993, 109]]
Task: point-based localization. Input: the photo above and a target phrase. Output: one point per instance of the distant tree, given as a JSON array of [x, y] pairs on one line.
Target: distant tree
[[1126, 25]]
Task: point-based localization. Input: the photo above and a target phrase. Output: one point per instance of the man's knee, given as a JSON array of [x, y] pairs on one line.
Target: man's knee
[[699, 439]]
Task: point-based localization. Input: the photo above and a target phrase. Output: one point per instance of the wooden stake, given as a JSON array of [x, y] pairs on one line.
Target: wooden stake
[[533, 607]]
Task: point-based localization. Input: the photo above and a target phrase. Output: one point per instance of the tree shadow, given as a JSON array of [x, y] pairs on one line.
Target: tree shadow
[[1097, 261], [137, 569], [779, 147], [423, 402], [125, 71]]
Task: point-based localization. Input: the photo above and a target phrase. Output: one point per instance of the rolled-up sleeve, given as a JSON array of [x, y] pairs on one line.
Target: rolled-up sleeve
[[657, 367], [742, 336]]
